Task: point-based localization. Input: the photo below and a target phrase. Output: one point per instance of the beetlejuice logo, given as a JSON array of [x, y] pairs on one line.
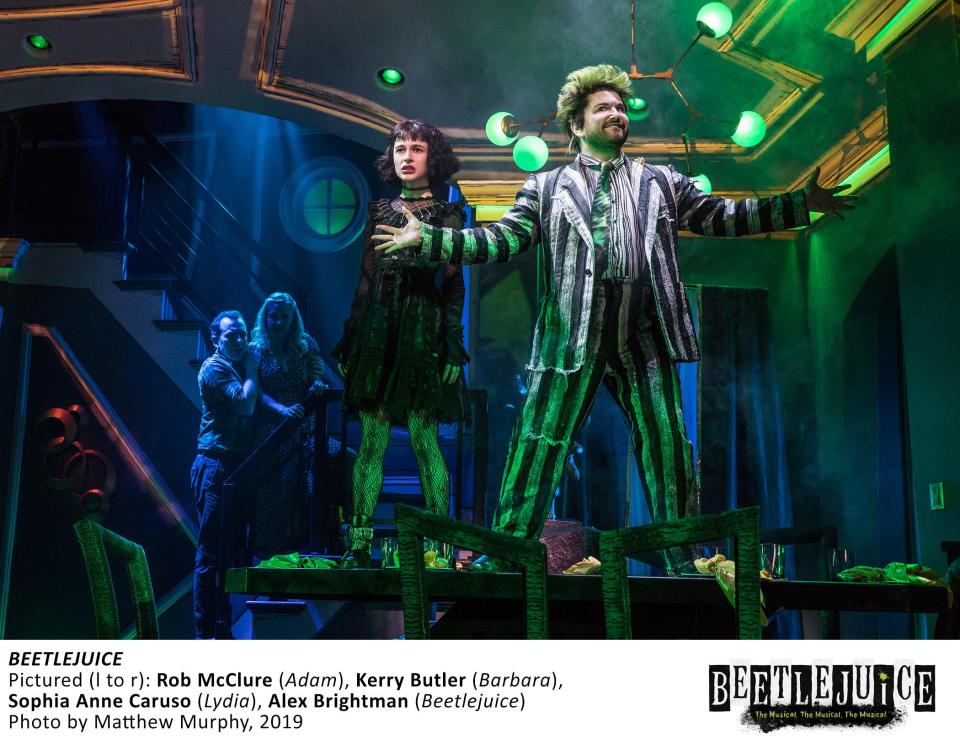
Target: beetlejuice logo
[[775, 696]]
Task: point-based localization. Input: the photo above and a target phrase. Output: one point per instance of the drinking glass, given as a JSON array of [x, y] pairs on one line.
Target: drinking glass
[[840, 560], [708, 551], [772, 558], [389, 555]]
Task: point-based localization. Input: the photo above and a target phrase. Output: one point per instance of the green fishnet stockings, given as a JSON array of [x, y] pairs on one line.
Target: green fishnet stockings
[[368, 469], [434, 478]]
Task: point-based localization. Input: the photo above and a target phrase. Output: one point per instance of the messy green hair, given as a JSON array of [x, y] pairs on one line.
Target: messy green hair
[[580, 84]]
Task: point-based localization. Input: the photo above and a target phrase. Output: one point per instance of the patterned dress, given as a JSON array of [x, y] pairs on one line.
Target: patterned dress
[[280, 518], [404, 326]]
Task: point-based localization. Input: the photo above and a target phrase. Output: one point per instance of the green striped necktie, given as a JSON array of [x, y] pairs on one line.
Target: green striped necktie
[[600, 217]]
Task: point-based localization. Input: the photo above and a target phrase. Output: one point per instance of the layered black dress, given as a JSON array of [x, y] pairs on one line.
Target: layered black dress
[[404, 326]]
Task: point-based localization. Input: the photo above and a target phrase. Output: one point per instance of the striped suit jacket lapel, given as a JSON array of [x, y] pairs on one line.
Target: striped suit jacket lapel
[[660, 245], [649, 199], [573, 197]]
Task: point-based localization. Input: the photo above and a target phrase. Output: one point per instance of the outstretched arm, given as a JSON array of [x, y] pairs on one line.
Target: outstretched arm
[[827, 199], [715, 216], [514, 233], [710, 215]]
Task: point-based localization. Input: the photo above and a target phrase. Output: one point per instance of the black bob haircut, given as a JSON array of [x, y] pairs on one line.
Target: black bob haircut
[[441, 161]]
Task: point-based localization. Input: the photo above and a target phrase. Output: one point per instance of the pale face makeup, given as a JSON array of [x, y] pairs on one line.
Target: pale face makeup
[[411, 162]]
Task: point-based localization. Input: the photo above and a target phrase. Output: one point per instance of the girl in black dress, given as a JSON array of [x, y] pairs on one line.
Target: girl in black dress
[[402, 348]]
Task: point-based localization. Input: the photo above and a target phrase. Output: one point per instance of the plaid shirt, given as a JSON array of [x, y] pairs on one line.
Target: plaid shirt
[[222, 429]]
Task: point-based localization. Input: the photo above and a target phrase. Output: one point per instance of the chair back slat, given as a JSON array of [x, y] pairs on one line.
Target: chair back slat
[[413, 525], [743, 525], [96, 543]]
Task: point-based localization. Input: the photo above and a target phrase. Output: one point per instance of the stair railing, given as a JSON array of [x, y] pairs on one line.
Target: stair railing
[[216, 261]]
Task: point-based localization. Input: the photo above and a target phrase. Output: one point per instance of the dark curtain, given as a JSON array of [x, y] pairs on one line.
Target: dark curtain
[[743, 458]]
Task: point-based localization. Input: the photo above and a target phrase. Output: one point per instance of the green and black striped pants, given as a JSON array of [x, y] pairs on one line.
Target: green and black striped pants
[[627, 354]]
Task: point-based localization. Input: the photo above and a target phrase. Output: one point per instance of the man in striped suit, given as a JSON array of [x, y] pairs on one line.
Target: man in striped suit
[[615, 311]]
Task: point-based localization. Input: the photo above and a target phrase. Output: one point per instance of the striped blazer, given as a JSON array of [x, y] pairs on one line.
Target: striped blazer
[[553, 209]]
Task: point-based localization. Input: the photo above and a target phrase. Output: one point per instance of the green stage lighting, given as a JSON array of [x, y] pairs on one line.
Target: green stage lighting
[[390, 79], [502, 129], [38, 42], [530, 153], [637, 109], [702, 183], [714, 20], [750, 130]]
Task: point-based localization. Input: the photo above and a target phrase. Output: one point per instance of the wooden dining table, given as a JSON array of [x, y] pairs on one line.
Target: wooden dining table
[[474, 593]]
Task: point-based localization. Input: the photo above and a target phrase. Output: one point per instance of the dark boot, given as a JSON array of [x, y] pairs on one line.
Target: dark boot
[[359, 538]]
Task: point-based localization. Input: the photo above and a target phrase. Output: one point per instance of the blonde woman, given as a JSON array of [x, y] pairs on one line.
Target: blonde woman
[[289, 364]]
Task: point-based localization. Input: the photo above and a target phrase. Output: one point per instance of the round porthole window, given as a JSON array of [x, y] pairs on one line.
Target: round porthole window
[[323, 203]]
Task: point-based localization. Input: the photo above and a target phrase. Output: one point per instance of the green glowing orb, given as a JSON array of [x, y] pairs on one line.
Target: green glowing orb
[[389, 78], [714, 19], [39, 42], [530, 153], [750, 130], [637, 109], [703, 183], [498, 129]]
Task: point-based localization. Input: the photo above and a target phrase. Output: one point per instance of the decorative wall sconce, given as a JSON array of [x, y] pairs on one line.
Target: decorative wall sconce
[[57, 431]]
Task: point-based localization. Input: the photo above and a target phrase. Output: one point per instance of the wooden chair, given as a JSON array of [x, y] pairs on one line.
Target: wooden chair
[[414, 524], [742, 525], [95, 543]]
